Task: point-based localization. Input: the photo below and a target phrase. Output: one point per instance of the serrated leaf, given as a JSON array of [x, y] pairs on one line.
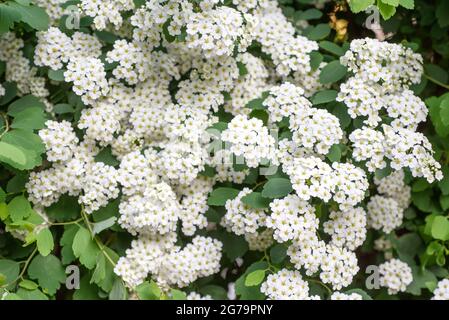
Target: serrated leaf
[[48, 272], [360, 5]]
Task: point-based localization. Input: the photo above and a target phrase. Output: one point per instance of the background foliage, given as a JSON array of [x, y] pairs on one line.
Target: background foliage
[[36, 270]]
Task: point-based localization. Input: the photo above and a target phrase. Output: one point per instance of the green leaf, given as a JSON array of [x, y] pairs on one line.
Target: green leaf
[[87, 291], [31, 294], [178, 294], [216, 292], [219, 196], [106, 157], [234, 246], [19, 208], [436, 72], [242, 69], [23, 103], [277, 188], [100, 270], [34, 16], [66, 243], [434, 111], [29, 119], [250, 293], [444, 111], [25, 139], [444, 202], [56, 75], [386, 10], [103, 225], [440, 228], [28, 284], [8, 15], [334, 154], [309, 14], [255, 278], [48, 272], [278, 253], [393, 3], [442, 13], [315, 60], [67, 208], [148, 291], [44, 240], [325, 96], [12, 155], [63, 108], [118, 291], [255, 200], [408, 4], [360, 5], [318, 32], [332, 48], [85, 248], [333, 72], [9, 269]]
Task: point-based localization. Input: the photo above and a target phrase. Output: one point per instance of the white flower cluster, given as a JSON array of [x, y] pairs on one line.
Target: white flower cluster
[[155, 99], [404, 147], [18, 68], [286, 285], [59, 139], [2, 90], [442, 290], [384, 213], [250, 139], [292, 218], [395, 275], [286, 100], [394, 186], [133, 61], [88, 77], [347, 228], [312, 177], [106, 11], [339, 266], [374, 61], [241, 218], [343, 296]]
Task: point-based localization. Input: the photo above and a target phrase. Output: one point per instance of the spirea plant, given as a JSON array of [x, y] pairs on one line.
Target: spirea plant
[[215, 149]]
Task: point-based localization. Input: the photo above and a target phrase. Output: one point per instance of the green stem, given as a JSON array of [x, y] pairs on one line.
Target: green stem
[[437, 82], [97, 241], [5, 119], [27, 262]]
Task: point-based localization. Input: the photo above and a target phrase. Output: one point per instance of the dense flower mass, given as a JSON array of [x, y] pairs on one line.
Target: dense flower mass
[[193, 140]]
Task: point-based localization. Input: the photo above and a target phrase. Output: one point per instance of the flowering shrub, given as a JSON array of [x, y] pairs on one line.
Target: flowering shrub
[[212, 149]]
